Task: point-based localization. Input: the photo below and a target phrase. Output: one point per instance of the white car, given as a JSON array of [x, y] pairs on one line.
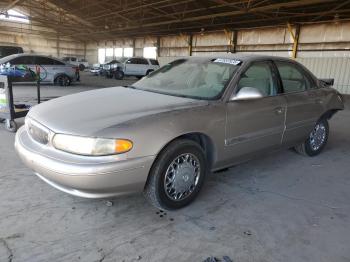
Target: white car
[[134, 66], [80, 62], [52, 70]]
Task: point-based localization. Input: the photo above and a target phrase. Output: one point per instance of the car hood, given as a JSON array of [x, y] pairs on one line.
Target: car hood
[[89, 112]]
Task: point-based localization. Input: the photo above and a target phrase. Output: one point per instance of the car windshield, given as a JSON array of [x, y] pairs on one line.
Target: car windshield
[[191, 78]]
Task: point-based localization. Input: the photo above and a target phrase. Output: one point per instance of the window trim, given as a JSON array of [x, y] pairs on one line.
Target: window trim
[[274, 74], [300, 70]]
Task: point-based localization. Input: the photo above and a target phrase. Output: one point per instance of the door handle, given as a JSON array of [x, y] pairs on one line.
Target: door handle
[[279, 110]]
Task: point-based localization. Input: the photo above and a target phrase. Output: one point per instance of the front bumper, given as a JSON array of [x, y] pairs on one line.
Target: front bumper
[[89, 177]]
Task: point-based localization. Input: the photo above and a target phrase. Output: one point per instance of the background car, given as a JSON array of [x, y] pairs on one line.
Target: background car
[[80, 62], [52, 70], [10, 50], [134, 66]]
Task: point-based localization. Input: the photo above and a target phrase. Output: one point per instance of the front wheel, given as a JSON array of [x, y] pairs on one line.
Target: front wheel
[[316, 141], [177, 175], [62, 80], [119, 75]]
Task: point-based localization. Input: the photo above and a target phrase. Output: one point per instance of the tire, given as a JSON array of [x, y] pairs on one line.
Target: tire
[[119, 75], [62, 80], [81, 67], [148, 72], [192, 159], [316, 141], [11, 125]]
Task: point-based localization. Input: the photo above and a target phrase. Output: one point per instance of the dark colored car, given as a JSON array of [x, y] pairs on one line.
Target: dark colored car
[[10, 50]]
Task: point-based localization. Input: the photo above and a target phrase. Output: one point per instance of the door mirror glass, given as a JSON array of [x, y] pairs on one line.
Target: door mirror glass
[[247, 93]]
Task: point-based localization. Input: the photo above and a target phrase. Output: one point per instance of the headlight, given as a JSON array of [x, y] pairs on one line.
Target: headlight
[[91, 146]]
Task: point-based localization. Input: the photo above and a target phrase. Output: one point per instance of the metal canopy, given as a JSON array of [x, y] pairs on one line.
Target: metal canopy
[[104, 20]]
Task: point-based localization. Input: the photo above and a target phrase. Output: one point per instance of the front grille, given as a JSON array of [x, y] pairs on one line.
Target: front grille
[[37, 132]]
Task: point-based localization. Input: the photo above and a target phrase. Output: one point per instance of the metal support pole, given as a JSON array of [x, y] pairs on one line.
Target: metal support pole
[[9, 97], [295, 39], [158, 46], [190, 46], [133, 46], [234, 41], [38, 83]]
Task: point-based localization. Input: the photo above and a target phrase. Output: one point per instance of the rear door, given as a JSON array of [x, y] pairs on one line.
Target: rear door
[[255, 125], [143, 66], [304, 107], [48, 68], [131, 66]]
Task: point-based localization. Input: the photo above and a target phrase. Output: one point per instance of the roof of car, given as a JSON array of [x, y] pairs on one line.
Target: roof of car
[[241, 57], [7, 58]]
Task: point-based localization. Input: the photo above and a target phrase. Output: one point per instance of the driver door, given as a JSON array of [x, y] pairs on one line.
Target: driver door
[[255, 125]]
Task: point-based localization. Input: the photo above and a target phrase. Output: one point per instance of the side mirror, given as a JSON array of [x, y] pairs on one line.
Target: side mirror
[[247, 93]]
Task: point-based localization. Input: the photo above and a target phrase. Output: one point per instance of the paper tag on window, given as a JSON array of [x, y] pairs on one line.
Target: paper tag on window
[[228, 61]]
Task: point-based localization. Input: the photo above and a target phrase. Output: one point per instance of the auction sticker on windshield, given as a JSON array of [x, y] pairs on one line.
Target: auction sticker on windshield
[[228, 61]]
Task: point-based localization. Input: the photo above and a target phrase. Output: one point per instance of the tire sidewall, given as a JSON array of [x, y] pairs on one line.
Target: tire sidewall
[[63, 80], [308, 148], [119, 75], [162, 165]]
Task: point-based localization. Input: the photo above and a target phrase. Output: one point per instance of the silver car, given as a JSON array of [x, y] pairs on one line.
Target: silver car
[[52, 70], [164, 134], [134, 66]]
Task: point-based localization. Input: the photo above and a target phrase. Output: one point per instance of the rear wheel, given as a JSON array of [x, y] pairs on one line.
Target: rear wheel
[[62, 80], [119, 75], [177, 175], [316, 141]]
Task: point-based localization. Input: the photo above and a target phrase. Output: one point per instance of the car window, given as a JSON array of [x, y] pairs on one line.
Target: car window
[[143, 61], [9, 50], [293, 79], [154, 62], [259, 75], [133, 61], [23, 60], [190, 78], [40, 60], [73, 59], [56, 62]]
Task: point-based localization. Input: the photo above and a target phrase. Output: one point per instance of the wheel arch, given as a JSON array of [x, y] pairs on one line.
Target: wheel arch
[[329, 114], [203, 140]]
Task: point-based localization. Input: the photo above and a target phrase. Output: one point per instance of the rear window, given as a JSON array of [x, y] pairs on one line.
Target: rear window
[[23, 60], [293, 79]]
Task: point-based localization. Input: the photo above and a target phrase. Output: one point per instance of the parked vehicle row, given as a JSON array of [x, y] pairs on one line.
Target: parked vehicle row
[[134, 66]]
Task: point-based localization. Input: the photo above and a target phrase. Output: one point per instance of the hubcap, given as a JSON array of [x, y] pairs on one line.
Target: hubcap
[[318, 136], [182, 176]]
